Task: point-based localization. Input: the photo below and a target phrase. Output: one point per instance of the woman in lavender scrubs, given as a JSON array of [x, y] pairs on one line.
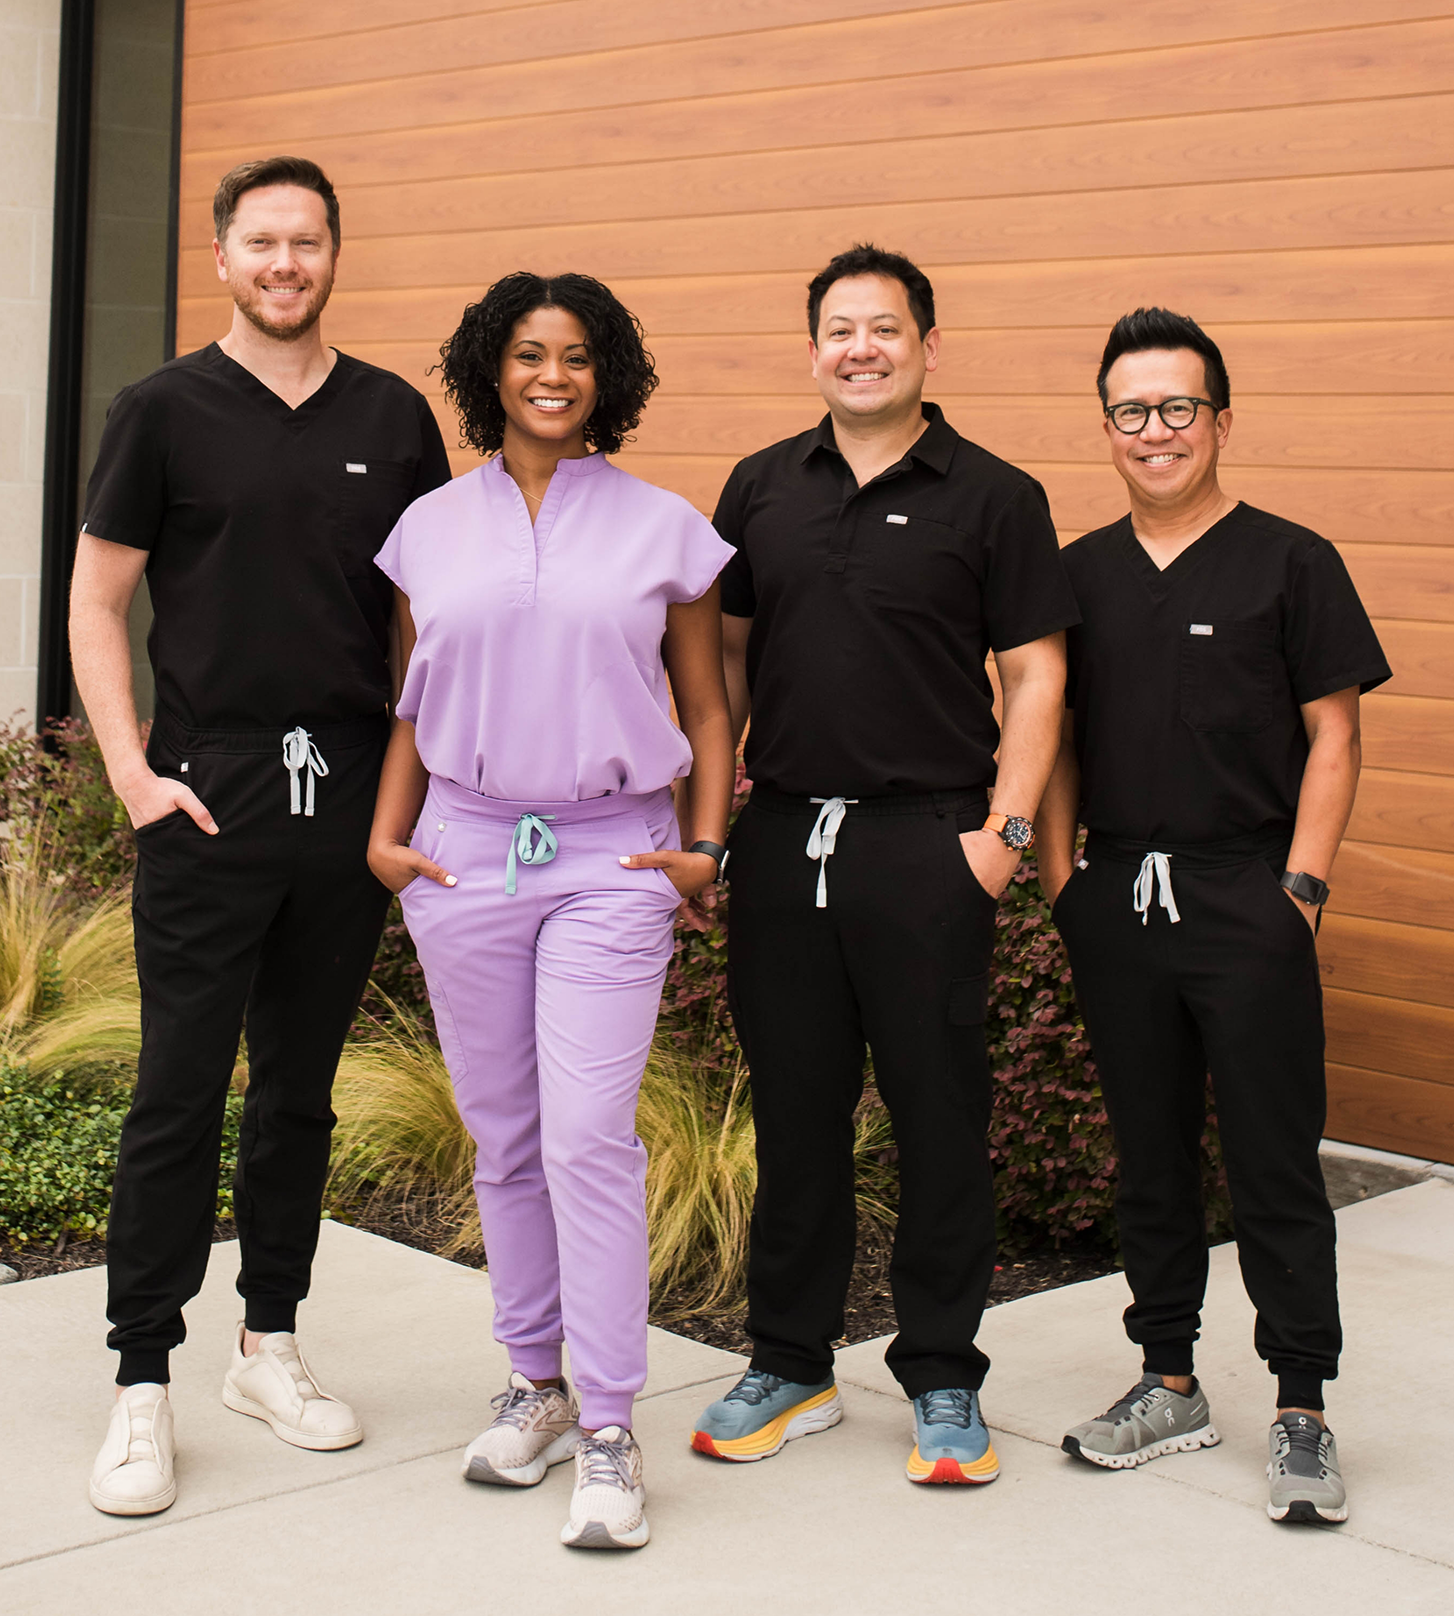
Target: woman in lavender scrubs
[[544, 599]]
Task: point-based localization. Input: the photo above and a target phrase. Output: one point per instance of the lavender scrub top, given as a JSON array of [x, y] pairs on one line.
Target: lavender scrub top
[[537, 673]]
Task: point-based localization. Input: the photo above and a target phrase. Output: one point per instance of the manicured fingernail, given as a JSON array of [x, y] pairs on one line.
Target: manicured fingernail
[[625, 860], [449, 881]]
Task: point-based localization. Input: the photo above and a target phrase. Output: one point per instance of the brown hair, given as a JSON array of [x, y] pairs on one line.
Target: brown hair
[[272, 171]]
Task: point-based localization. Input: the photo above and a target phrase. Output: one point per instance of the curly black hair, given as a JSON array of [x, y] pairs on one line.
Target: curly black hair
[[470, 360]]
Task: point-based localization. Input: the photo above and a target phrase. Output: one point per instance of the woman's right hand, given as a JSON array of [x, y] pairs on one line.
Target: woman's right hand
[[396, 864]]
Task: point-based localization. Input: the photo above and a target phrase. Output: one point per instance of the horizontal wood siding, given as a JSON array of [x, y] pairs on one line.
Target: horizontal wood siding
[[1281, 169]]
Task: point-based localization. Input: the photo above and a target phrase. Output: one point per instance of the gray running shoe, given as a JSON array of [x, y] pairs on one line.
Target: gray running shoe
[[1302, 1467], [1148, 1421]]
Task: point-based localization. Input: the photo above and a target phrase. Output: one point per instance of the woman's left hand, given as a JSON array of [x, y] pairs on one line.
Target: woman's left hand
[[687, 872]]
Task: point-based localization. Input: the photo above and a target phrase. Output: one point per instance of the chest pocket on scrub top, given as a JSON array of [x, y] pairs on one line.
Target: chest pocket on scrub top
[[1230, 674], [371, 497]]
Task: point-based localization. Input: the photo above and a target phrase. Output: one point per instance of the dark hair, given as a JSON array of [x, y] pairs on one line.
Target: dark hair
[[470, 360], [863, 258], [271, 171], [1148, 329]]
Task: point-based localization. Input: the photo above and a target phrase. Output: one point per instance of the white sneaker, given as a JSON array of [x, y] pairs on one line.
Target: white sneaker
[[275, 1385], [133, 1471], [606, 1509], [533, 1430]]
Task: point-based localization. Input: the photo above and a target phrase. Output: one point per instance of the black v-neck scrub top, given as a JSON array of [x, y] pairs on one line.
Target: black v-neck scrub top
[[1187, 682], [873, 608], [263, 523]]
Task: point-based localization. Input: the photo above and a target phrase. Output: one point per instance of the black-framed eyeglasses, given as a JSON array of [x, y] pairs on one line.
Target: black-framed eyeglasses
[[1174, 412]]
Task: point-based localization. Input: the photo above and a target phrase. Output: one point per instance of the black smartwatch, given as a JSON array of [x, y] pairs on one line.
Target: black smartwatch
[[1306, 888], [713, 850]]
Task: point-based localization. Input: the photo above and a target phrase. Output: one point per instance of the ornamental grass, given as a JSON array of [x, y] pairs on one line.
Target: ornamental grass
[[400, 1145]]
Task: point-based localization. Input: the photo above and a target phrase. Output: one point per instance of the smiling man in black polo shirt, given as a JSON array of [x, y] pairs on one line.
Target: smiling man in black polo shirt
[[252, 482], [1211, 750], [880, 557]]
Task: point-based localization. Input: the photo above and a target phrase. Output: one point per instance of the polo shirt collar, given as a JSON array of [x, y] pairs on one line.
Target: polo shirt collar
[[933, 448]]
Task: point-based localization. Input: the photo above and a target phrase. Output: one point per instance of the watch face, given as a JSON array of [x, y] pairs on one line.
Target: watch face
[[1018, 833]]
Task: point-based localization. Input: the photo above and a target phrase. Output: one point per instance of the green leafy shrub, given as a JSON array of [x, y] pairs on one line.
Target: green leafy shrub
[[58, 1143], [53, 788]]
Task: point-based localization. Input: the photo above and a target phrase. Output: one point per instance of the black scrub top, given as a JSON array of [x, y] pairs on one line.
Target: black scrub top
[[1187, 682], [873, 608], [263, 523]]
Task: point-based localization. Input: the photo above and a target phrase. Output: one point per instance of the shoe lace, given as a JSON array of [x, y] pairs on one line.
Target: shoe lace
[[604, 1464], [1304, 1440], [949, 1406], [516, 1407], [1132, 1403], [755, 1387], [292, 1360]]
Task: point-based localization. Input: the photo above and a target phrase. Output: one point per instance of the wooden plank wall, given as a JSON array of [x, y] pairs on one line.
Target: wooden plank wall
[[1276, 168]]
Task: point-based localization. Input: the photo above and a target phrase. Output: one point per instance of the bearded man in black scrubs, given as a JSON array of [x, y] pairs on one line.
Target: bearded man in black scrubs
[[252, 482], [1211, 749], [880, 557]]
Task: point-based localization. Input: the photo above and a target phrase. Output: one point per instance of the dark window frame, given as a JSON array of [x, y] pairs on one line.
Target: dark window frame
[[61, 492]]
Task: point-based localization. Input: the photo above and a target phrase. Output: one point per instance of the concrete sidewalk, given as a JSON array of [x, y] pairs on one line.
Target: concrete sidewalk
[[829, 1528]]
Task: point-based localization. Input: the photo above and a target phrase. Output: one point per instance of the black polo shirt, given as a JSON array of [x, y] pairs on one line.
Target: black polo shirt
[[1187, 682], [873, 608], [263, 523]]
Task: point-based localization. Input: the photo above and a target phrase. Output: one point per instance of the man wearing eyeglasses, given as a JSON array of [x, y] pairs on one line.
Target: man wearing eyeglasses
[[1211, 749]]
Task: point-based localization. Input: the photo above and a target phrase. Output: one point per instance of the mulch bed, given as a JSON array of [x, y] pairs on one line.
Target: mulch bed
[[869, 1312]]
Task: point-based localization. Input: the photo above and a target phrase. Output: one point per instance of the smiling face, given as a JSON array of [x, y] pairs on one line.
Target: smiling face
[[548, 379], [869, 360], [278, 259], [1165, 467]]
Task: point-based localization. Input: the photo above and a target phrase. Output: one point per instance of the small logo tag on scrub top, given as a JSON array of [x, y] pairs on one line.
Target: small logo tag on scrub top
[[902, 521], [358, 466], [1201, 628]]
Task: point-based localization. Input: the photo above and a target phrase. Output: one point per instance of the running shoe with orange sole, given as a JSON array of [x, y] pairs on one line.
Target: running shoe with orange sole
[[951, 1443], [761, 1414]]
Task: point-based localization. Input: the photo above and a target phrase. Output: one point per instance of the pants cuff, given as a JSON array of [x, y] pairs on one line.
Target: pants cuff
[[927, 1381], [143, 1366], [599, 1409], [1167, 1357], [1300, 1390], [537, 1363], [798, 1371], [269, 1315]]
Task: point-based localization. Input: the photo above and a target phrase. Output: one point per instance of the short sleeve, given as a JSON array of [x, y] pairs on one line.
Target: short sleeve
[[126, 495], [1327, 638], [702, 555], [1027, 592], [433, 457], [739, 597], [390, 560]]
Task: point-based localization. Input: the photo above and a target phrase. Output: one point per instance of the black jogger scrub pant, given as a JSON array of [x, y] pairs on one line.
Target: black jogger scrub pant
[[1231, 989], [270, 925], [895, 960]]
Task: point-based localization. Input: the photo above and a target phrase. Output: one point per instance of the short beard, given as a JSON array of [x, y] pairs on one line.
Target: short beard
[[293, 331]]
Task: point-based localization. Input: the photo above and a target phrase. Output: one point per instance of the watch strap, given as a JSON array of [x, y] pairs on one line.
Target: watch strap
[[714, 850], [1016, 833], [1306, 888]]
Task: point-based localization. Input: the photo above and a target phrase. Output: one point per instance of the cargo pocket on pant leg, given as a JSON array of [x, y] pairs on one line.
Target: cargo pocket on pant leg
[[968, 997]]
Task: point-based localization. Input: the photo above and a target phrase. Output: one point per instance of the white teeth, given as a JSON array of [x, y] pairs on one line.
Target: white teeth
[[550, 403]]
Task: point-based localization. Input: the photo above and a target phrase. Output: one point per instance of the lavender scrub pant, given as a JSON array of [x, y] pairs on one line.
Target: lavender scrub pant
[[545, 1001]]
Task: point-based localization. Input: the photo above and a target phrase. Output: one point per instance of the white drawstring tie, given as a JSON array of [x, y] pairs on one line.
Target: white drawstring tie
[[299, 753], [1155, 866], [824, 838]]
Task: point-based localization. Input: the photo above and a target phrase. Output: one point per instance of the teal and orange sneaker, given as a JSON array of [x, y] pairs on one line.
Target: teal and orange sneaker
[[761, 1414], [951, 1442]]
